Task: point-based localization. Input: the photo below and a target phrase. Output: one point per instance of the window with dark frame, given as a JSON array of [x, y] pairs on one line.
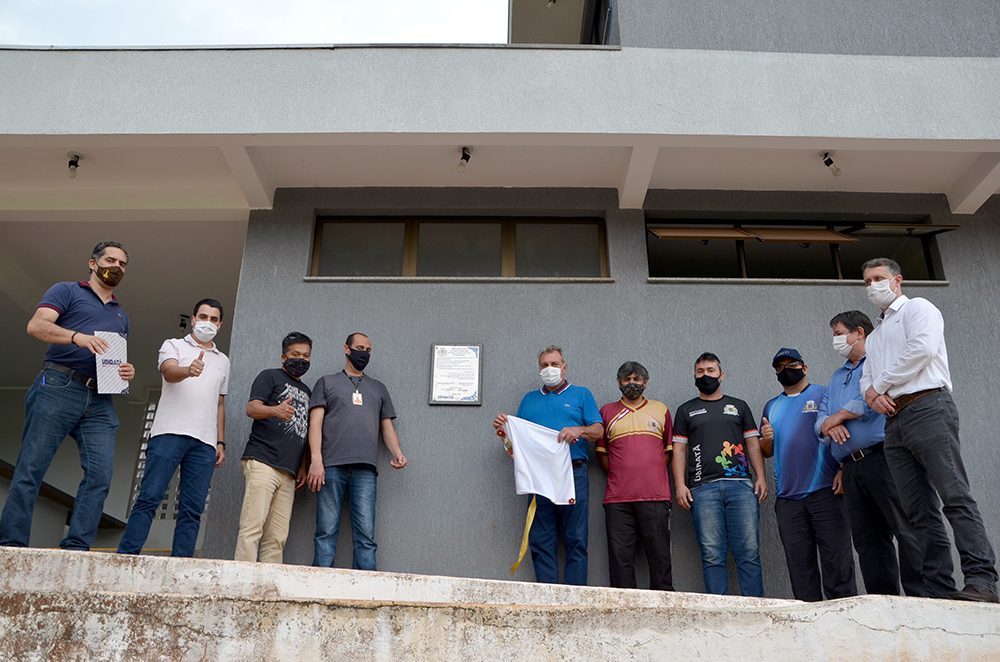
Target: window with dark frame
[[695, 248], [460, 248]]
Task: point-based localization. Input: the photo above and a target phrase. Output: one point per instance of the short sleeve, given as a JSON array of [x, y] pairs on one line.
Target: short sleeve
[[262, 387], [749, 425], [668, 430], [58, 298], [168, 350], [591, 414], [224, 386], [680, 431], [387, 410], [318, 397]]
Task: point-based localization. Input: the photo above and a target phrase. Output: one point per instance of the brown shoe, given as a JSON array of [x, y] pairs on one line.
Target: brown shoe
[[975, 593]]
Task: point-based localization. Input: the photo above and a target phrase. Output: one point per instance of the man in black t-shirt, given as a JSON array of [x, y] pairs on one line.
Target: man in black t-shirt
[[719, 476], [274, 458]]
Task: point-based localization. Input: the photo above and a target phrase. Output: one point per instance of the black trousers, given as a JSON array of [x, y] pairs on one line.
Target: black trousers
[[816, 522], [876, 518], [625, 523]]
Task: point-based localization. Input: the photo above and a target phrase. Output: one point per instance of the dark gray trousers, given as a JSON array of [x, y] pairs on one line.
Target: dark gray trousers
[[922, 448]]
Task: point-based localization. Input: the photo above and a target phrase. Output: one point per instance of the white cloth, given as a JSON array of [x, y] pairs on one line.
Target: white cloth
[[191, 407], [906, 352], [542, 464]]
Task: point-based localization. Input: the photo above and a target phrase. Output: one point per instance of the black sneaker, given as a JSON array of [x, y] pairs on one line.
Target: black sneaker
[[975, 593]]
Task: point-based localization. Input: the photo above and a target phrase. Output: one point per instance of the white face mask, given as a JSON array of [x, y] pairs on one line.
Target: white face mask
[[880, 293], [842, 347], [551, 376], [204, 331]]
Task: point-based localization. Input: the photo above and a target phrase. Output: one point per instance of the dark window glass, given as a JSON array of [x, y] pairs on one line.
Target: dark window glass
[[691, 258], [779, 259], [558, 250], [907, 251], [362, 249], [459, 249]]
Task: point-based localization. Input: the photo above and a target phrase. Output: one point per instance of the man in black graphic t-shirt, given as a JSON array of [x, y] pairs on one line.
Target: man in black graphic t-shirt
[[720, 479], [274, 461]]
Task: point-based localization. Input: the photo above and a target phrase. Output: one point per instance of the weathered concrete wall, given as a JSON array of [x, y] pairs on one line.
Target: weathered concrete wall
[[58, 605]]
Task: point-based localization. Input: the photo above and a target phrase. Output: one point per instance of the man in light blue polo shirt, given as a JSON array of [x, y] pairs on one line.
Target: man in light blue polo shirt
[[572, 410], [856, 434], [64, 400]]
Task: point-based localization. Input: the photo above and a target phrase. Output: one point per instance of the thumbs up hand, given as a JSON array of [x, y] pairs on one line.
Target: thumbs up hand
[[766, 431], [197, 366], [284, 410]]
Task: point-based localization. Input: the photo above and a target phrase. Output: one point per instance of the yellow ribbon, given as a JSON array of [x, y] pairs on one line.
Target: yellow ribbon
[[524, 541]]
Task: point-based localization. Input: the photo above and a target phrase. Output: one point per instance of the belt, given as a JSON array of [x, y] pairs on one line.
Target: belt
[[579, 463], [910, 398], [862, 453], [89, 382]]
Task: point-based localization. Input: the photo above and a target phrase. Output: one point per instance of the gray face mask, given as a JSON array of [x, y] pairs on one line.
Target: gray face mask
[[632, 391]]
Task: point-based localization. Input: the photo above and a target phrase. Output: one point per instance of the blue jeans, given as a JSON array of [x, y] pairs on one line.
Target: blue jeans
[[57, 406], [360, 483], [163, 453], [924, 455], [551, 521], [726, 515]]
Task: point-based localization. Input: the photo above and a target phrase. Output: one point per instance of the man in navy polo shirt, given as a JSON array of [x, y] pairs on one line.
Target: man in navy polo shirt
[[64, 399], [572, 410]]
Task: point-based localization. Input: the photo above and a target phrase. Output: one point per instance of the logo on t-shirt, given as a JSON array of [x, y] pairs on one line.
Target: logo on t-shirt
[[810, 407], [731, 410], [652, 425], [696, 412], [733, 460]]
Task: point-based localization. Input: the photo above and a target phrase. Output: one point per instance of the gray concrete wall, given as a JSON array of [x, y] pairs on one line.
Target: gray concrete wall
[[453, 511], [969, 28]]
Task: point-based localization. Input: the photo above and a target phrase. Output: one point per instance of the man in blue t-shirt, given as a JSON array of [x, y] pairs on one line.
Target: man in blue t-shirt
[[810, 515], [572, 410], [64, 400]]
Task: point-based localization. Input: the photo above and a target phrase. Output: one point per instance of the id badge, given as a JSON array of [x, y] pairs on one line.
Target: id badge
[[357, 399]]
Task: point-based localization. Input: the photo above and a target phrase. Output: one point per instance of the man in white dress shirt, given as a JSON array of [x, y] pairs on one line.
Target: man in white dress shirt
[[906, 377]]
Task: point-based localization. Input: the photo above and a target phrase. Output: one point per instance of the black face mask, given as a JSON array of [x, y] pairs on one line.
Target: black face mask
[[632, 391], [707, 385], [296, 367], [790, 376], [359, 358]]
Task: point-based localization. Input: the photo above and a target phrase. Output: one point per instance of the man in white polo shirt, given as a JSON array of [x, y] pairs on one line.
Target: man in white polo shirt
[[188, 430]]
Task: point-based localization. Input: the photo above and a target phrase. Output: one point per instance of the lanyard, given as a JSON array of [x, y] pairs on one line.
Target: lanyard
[[357, 384]]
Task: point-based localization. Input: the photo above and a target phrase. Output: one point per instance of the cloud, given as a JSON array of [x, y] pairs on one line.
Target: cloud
[[250, 22]]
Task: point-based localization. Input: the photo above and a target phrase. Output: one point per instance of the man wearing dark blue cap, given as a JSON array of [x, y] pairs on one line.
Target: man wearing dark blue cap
[[810, 516]]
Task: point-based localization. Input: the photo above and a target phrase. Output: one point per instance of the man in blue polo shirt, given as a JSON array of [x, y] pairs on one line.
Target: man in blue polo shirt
[[64, 399], [810, 516], [856, 434], [572, 410]]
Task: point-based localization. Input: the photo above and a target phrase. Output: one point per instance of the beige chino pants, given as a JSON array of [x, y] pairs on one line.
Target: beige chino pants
[[267, 509]]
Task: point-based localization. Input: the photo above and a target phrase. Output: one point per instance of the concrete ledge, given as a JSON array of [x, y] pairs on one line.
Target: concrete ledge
[[69, 605]]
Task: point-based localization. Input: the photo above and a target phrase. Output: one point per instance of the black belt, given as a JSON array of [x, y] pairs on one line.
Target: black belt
[[862, 453], [909, 398], [89, 382], [579, 463]]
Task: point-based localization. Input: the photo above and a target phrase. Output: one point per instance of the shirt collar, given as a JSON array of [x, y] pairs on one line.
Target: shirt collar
[[191, 341], [86, 284], [546, 391], [894, 306]]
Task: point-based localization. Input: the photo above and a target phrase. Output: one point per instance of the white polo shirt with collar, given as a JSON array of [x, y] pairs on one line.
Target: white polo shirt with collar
[[191, 407]]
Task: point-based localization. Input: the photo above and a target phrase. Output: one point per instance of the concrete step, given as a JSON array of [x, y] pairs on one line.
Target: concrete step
[[57, 605]]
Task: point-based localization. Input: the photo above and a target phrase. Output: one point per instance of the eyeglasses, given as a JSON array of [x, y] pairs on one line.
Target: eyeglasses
[[793, 365]]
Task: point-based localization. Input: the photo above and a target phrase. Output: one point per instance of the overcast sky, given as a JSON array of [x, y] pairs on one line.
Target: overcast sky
[[222, 22]]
